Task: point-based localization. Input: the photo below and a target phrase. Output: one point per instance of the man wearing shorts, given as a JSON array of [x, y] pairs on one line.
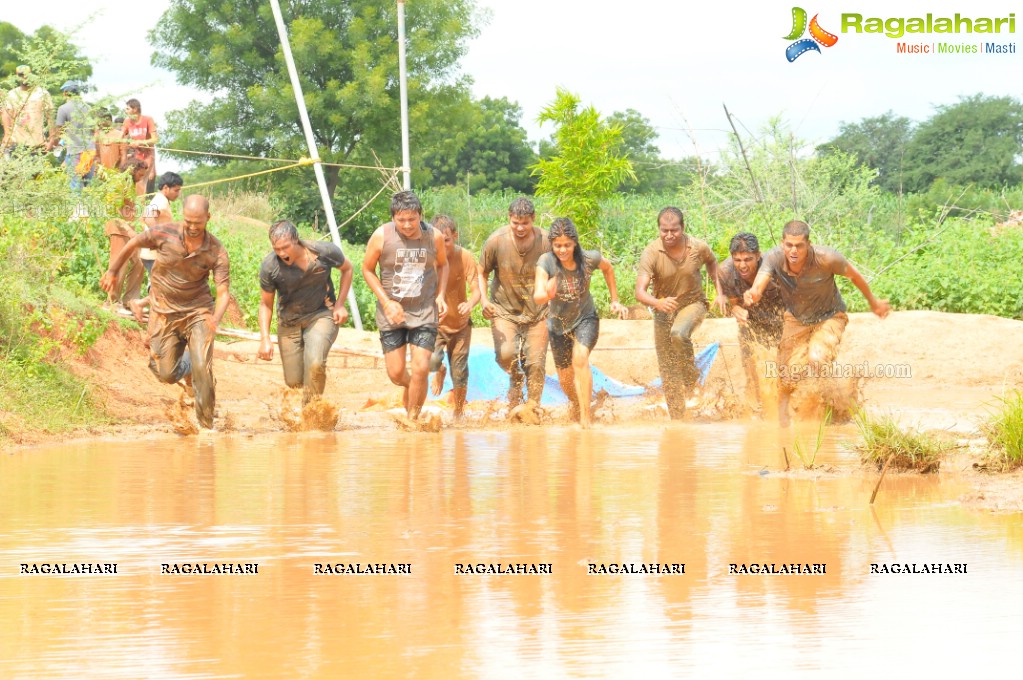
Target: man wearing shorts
[[815, 317], [517, 322], [454, 331], [308, 311], [410, 292], [182, 314], [672, 263]]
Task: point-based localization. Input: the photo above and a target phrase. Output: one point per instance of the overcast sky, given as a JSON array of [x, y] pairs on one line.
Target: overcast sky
[[676, 63]]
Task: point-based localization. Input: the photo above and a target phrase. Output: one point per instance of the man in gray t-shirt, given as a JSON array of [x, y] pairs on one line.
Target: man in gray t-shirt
[[814, 317], [75, 125], [298, 273]]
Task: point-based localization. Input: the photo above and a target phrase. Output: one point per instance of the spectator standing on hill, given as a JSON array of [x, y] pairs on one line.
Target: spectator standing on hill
[[141, 130], [27, 113], [75, 125]]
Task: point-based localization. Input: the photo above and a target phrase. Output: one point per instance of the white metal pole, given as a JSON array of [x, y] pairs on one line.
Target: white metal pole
[[403, 89], [313, 151]]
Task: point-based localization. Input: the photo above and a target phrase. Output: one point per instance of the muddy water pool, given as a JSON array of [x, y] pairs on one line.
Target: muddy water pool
[[295, 515]]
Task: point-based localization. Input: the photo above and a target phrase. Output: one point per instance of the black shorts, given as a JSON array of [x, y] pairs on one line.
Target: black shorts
[[423, 336], [585, 333]]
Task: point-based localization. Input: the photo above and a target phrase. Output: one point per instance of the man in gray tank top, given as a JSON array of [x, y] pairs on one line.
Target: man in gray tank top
[[410, 293]]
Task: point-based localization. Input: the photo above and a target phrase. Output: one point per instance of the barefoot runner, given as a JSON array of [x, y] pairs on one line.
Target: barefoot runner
[[182, 314], [308, 311], [672, 263], [454, 331], [518, 323], [563, 279], [815, 317], [410, 293]]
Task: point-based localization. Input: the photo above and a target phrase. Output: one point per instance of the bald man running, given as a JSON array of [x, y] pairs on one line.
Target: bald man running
[[182, 313]]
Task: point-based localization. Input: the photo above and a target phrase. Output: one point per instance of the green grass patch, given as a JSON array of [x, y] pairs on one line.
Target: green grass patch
[[909, 450], [1005, 433]]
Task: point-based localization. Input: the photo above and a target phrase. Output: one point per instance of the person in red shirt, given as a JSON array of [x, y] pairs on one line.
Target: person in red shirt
[[142, 131]]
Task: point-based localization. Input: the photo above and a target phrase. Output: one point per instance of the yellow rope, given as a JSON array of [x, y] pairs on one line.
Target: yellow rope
[[305, 161], [275, 160]]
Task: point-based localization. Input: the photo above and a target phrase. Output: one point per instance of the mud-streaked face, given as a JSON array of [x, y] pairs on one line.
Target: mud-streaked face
[[746, 264], [795, 249], [563, 247], [287, 250], [407, 222], [670, 228], [195, 220], [450, 238], [521, 226]]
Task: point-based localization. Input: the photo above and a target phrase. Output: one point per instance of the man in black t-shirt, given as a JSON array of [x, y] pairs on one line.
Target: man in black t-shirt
[[760, 324], [308, 311]]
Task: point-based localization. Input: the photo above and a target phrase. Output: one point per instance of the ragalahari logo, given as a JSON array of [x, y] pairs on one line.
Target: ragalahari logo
[[817, 35]]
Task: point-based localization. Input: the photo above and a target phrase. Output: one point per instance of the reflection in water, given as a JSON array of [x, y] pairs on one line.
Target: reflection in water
[[705, 496]]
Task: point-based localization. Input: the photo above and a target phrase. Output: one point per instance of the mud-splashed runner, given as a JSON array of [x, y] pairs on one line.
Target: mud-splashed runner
[[815, 316], [410, 291], [298, 274], [183, 316], [300, 416]]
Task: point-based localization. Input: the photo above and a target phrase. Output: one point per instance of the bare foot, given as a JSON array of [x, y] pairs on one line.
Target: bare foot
[[438, 381], [137, 311], [527, 413]]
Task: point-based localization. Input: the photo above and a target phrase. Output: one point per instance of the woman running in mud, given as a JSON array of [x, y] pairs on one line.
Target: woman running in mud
[[563, 279]]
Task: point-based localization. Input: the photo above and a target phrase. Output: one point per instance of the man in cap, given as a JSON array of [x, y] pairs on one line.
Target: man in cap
[[74, 124]]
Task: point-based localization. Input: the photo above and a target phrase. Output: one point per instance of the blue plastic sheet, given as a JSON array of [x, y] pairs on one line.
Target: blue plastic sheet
[[487, 381]]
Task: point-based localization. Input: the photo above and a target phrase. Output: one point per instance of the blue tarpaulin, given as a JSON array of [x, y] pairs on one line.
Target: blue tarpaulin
[[487, 381]]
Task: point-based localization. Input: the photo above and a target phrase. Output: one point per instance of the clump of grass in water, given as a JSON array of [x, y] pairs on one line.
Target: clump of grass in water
[[1005, 433], [909, 450], [802, 452]]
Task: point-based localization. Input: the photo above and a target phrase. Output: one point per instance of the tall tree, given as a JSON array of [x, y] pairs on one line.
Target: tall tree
[[588, 166], [482, 143], [654, 174], [880, 143], [976, 141], [347, 58]]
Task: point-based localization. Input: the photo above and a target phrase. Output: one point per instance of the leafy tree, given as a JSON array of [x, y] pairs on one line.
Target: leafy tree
[[11, 39], [978, 140], [347, 60], [482, 143], [879, 143], [589, 164], [52, 55]]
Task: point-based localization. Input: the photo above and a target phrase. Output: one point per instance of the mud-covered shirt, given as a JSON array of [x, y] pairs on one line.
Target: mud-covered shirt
[[680, 278], [765, 317], [180, 280], [572, 302], [812, 295], [514, 274], [302, 293], [461, 266], [408, 274]]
